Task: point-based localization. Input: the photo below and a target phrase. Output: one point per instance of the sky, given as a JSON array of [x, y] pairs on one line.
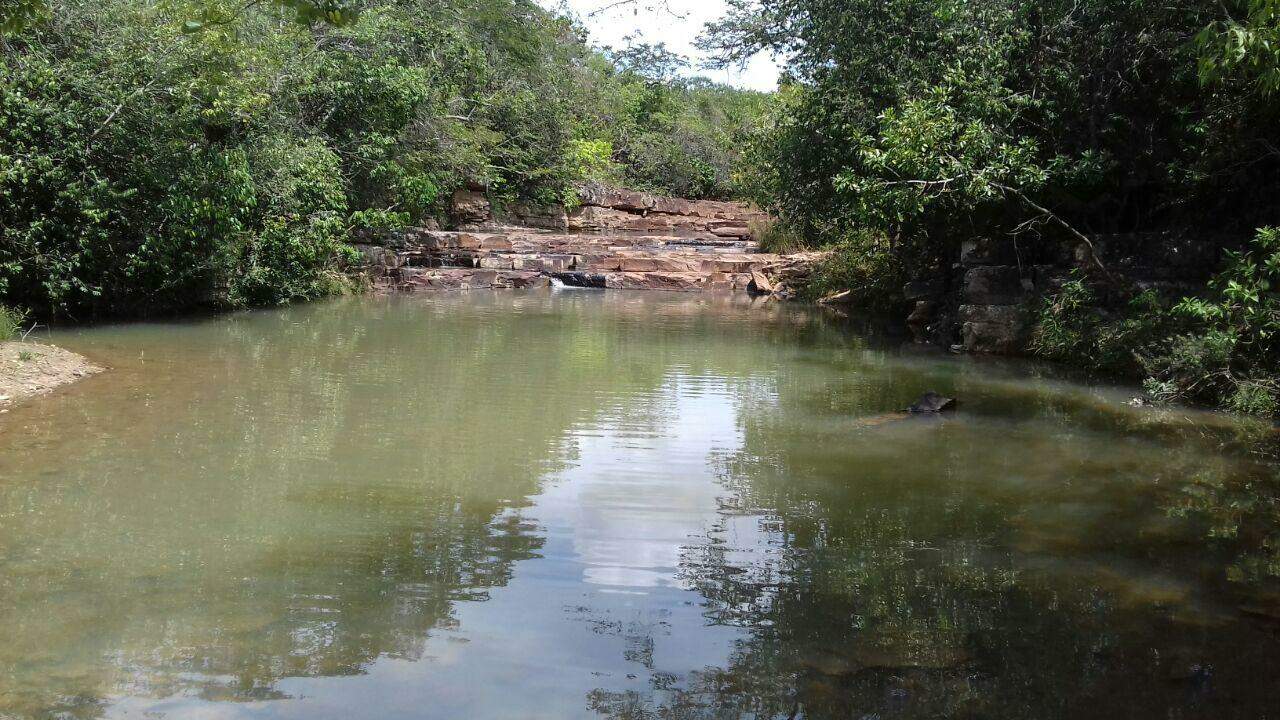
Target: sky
[[678, 32]]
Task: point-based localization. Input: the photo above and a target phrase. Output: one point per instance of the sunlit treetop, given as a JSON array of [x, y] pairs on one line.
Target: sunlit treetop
[[17, 15], [1245, 43]]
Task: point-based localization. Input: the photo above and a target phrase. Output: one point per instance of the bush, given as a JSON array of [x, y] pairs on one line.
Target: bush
[[863, 264], [1221, 350], [1074, 327], [1231, 355], [11, 321], [667, 135], [777, 236]]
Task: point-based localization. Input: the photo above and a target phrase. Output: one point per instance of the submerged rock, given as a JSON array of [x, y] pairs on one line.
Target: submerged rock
[[932, 402]]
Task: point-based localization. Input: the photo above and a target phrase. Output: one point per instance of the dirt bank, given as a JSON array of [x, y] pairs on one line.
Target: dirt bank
[[30, 369]]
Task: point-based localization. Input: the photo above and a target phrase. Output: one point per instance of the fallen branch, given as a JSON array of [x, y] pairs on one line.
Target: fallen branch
[[29, 331], [1046, 212], [840, 298]]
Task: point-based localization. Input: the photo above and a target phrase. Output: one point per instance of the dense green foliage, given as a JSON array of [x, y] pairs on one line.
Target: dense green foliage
[[936, 121], [1074, 327], [157, 155], [1245, 43], [10, 322], [1218, 349], [995, 110], [669, 134], [1233, 351]]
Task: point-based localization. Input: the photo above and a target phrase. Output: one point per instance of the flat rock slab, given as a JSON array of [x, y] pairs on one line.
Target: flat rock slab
[[469, 279], [670, 281], [520, 257], [30, 369]]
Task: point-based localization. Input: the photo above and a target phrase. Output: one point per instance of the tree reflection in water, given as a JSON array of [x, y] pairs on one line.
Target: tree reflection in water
[[301, 494], [1037, 556]]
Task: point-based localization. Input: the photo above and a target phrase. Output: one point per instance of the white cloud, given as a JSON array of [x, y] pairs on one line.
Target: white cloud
[[677, 29]]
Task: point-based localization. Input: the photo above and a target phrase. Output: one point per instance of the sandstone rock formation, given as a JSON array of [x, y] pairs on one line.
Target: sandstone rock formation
[[616, 238]]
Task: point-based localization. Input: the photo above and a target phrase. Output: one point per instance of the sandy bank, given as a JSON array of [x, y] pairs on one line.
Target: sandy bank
[[30, 369]]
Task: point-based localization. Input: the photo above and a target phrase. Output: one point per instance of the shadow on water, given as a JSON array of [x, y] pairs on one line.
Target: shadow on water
[[632, 506]]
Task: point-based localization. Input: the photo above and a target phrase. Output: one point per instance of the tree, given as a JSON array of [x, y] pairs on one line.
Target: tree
[[1246, 42], [17, 15], [652, 62]]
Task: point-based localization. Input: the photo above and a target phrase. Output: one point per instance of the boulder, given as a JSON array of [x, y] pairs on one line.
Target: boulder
[[444, 240], [760, 283], [729, 231], [616, 198], [922, 313], [921, 290], [470, 207], [545, 217], [994, 329], [986, 251], [380, 259], [932, 402], [495, 242], [994, 285], [672, 206], [629, 200]]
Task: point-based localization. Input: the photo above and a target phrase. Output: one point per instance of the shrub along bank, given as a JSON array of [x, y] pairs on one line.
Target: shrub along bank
[[911, 129]]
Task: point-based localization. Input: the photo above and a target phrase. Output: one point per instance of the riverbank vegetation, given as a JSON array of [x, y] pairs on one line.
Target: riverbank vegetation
[[164, 156], [10, 323], [906, 128], [1217, 348]]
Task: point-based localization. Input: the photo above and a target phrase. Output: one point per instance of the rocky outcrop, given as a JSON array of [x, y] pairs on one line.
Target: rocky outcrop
[[449, 260], [616, 198], [606, 209], [986, 303], [995, 329], [550, 217], [932, 403], [996, 285], [617, 239], [470, 207], [613, 238]]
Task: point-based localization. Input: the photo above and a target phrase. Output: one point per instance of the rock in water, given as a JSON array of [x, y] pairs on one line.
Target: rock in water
[[932, 402], [760, 283]]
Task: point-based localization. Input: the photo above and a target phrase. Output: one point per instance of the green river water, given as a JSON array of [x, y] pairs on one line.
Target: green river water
[[614, 505]]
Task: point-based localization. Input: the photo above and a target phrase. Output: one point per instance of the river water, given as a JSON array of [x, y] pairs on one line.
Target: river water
[[614, 505]]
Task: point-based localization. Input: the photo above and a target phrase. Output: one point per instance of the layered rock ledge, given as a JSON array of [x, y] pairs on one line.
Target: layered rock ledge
[[616, 239]]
